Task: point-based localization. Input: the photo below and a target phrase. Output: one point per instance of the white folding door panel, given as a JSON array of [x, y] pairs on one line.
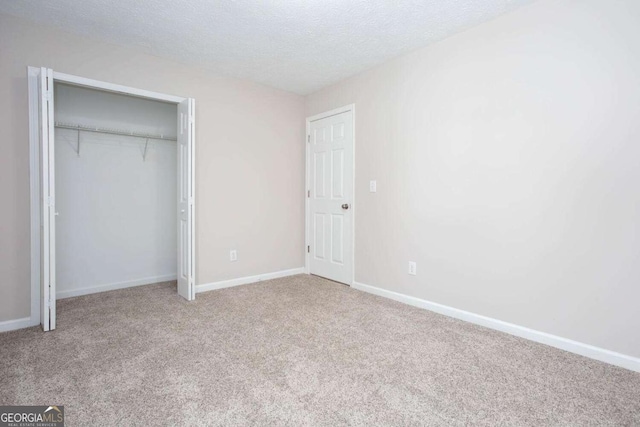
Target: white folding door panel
[[47, 202], [186, 213], [331, 187]]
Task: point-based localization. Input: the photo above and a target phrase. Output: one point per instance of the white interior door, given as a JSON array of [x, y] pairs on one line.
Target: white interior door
[[186, 213], [331, 197], [47, 203]]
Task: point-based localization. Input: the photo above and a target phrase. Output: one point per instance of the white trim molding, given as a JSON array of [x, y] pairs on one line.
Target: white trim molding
[[114, 286], [33, 76], [248, 279], [12, 325], [112, 87], [586, 350]]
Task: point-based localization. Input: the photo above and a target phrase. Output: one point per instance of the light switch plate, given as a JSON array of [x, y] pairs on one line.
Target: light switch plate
[[233, 255], [373, 186]]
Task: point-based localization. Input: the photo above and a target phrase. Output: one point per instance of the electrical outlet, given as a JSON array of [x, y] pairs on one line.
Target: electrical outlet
[[233, 255], [373, 186], [412, 268]]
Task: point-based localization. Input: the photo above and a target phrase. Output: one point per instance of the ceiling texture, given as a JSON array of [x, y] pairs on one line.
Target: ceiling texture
[[296, 45]]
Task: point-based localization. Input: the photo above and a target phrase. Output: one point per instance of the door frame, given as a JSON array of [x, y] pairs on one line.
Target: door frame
[[33, 76], [307, 211]]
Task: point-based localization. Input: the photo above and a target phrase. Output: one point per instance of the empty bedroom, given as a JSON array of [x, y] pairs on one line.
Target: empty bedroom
[[316, 213]]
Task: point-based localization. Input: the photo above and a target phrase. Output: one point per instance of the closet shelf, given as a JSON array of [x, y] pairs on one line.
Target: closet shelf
[[114, 132]]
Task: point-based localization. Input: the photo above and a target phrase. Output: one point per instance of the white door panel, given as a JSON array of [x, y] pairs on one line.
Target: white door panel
[[186, 223], [331, 198], [47, 203]]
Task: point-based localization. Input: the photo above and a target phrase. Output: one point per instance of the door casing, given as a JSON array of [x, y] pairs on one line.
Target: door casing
[[353, 207]]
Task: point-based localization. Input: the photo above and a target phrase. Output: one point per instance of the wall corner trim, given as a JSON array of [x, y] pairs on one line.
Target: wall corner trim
[[586, 350], [248, 279]]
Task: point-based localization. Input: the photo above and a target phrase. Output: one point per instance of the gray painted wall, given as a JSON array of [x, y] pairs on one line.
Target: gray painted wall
[[507, 163]]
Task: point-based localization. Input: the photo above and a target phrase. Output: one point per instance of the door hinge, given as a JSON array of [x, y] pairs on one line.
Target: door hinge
[[308, 249], [48, 90], [308, 193], [308, 138], [48, 94]]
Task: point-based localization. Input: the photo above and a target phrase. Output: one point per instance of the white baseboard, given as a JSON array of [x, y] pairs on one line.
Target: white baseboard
[[113, 286], [12, 325], [248, 279], [601, 354]]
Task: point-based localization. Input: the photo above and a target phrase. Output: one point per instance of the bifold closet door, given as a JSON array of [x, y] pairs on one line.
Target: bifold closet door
[[47, 202], [186, 212]]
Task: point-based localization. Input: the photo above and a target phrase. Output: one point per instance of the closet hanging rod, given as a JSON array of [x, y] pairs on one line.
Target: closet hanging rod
[[113, 131]]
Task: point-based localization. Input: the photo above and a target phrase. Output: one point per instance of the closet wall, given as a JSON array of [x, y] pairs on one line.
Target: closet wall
[[117, 205]]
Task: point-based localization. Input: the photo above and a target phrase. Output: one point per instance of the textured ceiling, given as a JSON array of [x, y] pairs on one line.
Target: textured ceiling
[[296, 45]]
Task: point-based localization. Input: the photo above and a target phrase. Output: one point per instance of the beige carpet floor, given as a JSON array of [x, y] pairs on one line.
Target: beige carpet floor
[[298, 351]]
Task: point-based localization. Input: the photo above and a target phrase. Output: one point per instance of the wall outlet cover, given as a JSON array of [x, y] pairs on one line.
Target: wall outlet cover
[[412, 268]]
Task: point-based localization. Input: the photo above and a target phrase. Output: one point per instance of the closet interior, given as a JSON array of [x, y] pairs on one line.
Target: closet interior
[[115, 186]]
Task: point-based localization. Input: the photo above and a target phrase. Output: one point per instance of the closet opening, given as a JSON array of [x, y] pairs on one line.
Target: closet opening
[[112, 189], [115, 162]]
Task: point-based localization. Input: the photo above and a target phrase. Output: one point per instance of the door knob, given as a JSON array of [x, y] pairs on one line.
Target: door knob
[[345, 206]]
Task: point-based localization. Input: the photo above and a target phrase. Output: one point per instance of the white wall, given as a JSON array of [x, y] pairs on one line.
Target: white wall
[[117, 212], [249, 164], [507, 160]]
